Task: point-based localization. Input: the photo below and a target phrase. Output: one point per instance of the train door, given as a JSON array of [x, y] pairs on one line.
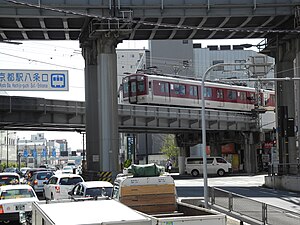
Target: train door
[[132, 90], [167, 92], [242, 99], [220, 98]]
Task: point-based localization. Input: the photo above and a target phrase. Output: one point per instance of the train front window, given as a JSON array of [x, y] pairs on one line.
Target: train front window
[[141, 86], [133, 87], [125, 88]]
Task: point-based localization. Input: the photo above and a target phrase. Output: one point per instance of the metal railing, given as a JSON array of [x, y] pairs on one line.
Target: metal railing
[[249, 210], [284, 169]]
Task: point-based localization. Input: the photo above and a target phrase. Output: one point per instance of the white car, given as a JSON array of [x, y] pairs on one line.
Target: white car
[[67, 169], [58, 186], [15, 199], [91, 189]]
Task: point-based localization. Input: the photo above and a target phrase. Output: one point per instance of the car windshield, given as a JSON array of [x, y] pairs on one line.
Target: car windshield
[[67, 168], [5, 180], [98, 191], [17, 193], [70, 180], [44, 176]]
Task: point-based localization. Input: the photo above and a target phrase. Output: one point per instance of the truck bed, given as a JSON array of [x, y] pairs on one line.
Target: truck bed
[[188, 215]]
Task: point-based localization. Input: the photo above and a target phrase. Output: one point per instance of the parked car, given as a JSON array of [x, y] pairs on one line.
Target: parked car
[[58, 186], [91, 189], [15, 199], [37, 180], [215, 166], [9, 178]]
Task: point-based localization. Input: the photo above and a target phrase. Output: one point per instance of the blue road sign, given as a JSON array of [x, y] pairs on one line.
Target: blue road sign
[[53, 152], [34, 153], [44, 153], [25, 154]]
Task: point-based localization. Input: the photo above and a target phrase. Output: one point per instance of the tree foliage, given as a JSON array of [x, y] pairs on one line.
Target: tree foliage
[[170, 148]]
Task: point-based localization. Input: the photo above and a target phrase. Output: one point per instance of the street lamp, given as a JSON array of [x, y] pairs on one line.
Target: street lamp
[[205, 186], [7, 148]]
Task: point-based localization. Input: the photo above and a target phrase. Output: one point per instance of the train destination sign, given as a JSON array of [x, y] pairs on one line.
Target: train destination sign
[[34, 80]]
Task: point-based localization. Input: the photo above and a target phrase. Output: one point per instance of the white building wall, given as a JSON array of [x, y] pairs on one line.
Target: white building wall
[[8, 144], [129, 61]]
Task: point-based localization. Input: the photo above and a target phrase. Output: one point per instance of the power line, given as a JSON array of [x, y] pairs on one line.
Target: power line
[[38, 61]]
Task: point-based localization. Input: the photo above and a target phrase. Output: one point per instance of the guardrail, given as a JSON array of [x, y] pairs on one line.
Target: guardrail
[[249, 210], [284, 169]]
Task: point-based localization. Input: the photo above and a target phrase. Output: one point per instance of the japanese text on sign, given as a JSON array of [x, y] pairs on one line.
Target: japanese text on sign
[[34, 80]]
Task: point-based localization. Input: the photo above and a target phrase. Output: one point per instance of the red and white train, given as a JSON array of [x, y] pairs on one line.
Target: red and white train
[[171, 91]]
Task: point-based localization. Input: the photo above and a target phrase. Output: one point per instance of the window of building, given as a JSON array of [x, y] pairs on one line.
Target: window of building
[[240, 67], [185, 63], [218, 68]]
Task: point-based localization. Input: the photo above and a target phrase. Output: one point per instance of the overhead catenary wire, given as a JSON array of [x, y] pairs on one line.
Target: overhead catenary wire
[[166, 25]]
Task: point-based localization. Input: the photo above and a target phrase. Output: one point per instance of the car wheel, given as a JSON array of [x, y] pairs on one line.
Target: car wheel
[[221, 172], [195, 173]]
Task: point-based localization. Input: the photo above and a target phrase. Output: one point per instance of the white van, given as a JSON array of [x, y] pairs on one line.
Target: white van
[[215, 165]]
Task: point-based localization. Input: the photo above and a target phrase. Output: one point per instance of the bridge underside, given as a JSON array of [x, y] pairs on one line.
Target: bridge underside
[[146, 20]]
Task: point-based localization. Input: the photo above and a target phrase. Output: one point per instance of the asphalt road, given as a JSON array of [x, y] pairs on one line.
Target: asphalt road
[[250, 187]]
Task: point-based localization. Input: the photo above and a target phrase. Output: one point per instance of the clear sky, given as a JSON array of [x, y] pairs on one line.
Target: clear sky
[[66, 55]]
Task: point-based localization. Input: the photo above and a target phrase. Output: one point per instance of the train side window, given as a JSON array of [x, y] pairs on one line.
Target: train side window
[[162, 87], [193, 91], [220, 94], [179, 89], [242, 96], [207, 92], [166, 87], [231, 95], [182, 89]]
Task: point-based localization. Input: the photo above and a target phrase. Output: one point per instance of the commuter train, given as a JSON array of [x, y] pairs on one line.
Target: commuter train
[[172, 91]]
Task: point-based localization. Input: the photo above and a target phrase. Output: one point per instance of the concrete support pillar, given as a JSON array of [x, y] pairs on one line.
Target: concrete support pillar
[[215, 148], [249, 154], [181, 159], [102, 138], [297, 96], [285, 97]]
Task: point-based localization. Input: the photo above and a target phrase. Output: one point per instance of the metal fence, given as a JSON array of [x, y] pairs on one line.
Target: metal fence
[[285, 169], [249, 210]]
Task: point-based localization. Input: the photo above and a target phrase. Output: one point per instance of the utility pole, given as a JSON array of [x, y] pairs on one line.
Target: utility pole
[[7, 148]]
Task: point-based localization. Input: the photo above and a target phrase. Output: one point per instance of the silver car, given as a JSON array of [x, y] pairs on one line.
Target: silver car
[[37, 180]]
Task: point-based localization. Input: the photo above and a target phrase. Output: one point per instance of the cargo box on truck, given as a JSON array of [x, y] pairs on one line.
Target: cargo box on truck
[[154, 195]]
